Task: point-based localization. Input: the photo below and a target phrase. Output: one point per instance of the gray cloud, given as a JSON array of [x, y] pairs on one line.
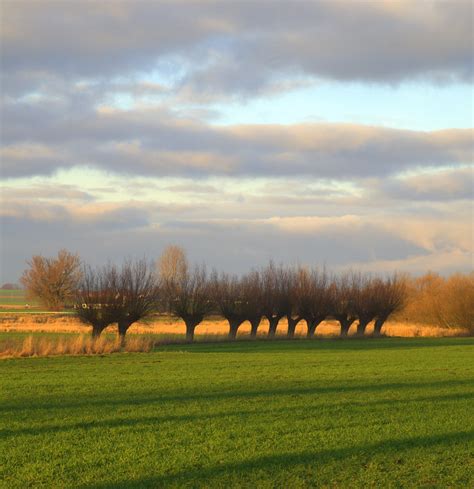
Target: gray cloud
[[40, 139], [235, 235], [339, 194], [224, 245], [447, 185], [243, 47]]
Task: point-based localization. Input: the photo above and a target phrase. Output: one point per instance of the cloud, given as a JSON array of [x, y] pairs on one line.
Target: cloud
[[157, 142], [107, 136], [453, 184], [205, 47]]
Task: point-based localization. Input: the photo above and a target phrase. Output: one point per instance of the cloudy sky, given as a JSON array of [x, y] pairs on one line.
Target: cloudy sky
[[331, 132]]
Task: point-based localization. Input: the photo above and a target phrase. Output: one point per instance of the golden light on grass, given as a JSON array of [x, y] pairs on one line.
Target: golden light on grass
[[217, 326], [76, 345]]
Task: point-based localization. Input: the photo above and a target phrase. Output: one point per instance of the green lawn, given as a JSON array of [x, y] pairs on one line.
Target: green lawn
[[323, 413]]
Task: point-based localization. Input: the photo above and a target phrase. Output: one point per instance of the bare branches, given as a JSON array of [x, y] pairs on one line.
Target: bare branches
[[315, 298], [252, 299], [390, 297], [97, 303], [110, 295], [364, 300], [275, 295], [189, 298], [52, 280], [172, 264], [229, 298], [138, 292], [134, 291]]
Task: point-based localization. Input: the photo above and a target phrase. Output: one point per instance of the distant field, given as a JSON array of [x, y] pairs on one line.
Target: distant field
[[14, 316], [15, 301], [12, 293], [354, 413]]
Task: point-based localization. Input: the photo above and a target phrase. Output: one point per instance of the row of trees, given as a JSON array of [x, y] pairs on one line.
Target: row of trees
[[127, 294], [124, 295]]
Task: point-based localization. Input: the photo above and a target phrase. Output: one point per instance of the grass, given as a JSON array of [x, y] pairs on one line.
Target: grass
[[328, 413], [45, 345]]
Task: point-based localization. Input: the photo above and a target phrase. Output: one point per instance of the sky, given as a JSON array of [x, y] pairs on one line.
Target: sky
[[334, 133]]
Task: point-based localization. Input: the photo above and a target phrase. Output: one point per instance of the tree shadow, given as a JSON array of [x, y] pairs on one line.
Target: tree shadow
[[351, 343], [202, 477], [292, 411], [142, 399]]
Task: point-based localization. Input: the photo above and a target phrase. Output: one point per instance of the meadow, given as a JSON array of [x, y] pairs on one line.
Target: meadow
[[387, 412]]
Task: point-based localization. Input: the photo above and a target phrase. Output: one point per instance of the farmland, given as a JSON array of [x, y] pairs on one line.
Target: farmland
[[358, 413]]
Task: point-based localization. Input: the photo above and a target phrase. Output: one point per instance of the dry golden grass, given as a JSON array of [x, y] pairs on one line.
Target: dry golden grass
[[80, 345], [210, 327]]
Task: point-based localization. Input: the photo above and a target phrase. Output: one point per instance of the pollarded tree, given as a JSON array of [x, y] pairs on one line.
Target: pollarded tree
[[299, 285], [52, 280], [252, 298], [96, 299], [190, 298], [229, 299], [344, 287], [390, 296], [316, 302], [137, 291], [365, 300], [275, 295]]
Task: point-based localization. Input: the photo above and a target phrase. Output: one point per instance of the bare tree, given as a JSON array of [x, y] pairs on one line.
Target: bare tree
[[189, 298], [365, 300], [298, 287], [96, 300], [172, 264], [316, 300], [228, 296], [390, 297], [252, 297], [343, 304], [275, 295], [138, 292], [52, 280]]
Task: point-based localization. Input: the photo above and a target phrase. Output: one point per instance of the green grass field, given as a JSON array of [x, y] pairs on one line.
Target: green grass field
[[14, 301], [327, 413]]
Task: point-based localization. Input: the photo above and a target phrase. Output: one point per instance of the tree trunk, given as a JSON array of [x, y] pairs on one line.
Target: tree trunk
[[273, 324], [362, 326], [312, 324], [379, 322], [122, 331], [292, 323], [96, 331], [190, 327], [191, 322], [346, 323], [234, 325], [254, 323]]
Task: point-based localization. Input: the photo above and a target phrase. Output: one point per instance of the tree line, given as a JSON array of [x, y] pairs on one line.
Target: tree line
[[137, 289]]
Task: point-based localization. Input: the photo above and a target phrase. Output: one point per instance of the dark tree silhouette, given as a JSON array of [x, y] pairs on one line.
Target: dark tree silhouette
[[316, 299], [229, 297], [189, 298], [391, 296], [137, 293], [253, 300], [343, 304], [275, 296], [96, 301], [365, 300], [299, 283]]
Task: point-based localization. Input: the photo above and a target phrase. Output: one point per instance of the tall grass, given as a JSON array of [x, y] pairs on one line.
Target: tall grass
[[34, 346]]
